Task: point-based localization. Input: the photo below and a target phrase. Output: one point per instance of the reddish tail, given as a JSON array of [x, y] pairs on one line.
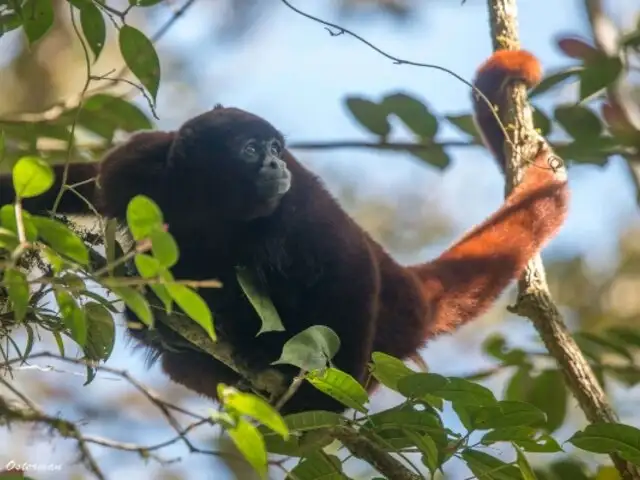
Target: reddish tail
[[467, 278]]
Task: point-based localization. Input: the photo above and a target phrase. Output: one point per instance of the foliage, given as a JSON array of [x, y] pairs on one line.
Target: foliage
[[42, 256]]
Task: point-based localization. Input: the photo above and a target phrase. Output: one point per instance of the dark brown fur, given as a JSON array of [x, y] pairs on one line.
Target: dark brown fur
[[318, 266]]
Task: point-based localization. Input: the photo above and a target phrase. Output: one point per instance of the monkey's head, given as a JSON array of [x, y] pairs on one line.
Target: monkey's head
[[229, 161]]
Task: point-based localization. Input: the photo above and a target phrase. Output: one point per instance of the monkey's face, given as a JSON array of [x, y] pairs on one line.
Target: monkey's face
[[231, 162]]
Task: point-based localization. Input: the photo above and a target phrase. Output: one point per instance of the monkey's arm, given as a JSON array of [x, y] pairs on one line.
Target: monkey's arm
[[467, 278], [80, 176]]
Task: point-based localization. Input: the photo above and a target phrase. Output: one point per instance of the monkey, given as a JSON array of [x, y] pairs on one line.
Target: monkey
[[233, 195]]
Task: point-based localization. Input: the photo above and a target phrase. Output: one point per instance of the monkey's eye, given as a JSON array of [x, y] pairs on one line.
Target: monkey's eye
[[276, 149], [251, 149]]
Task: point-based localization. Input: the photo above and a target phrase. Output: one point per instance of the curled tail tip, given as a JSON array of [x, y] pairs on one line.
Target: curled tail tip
[[514, 64]]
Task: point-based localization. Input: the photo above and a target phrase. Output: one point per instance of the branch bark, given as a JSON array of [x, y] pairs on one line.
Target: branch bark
[[534, 299]]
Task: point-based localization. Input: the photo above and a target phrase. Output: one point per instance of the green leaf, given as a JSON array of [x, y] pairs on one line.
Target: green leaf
[[141, 58], [519, 385], [541, 122], [143, 217], [341, 386], [427, 447], [434, 155], [260, 301], [553, 79], [318, 466], [37, 18], [310, 349], [250, 443], [610, 438], [496, 346], [606, 345], [417, 385], [598, 75], [32, 176], [149, 267], [464, 123], [628, 336], [18, 291], [8, 239], [193, 305], [309, 431], [526, 437], [570, 469], [486, 467], [549, 393], [424, 421], [104, 114], [254, 407], [93, 27], [370, 115], [136, 302], [464, 392], [507, 414], [579, 122], [413, 113], [164, 248], [73, 317], [62, 239], [8, 221], [388, 370], [525, 468], [101, 331], [312, 420], [59, 342]]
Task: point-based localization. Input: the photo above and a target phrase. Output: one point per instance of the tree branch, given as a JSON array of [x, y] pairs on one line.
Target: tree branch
[[534, 299]]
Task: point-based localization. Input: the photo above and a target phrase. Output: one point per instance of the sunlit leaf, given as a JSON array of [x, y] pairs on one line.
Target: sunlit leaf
[[32, 176], [8, 221], [62, 239], [136, 302], [193, 305], [341, 386], [388, 370], [254, 407], [18, 291], [164, 248], [143, 217], [250, 443]]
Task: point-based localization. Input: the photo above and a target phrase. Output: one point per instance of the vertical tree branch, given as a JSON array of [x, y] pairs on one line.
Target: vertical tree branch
[[534, 299]]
